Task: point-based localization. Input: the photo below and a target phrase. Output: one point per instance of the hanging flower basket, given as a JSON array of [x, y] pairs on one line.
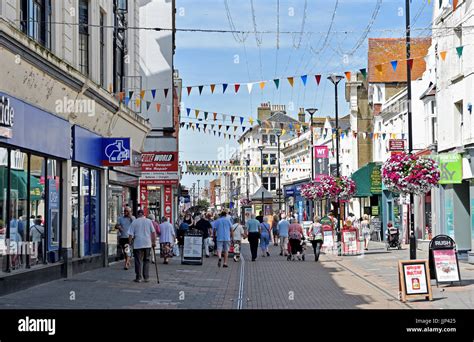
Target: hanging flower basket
[[406, 174], [329, 187], [245, 202]]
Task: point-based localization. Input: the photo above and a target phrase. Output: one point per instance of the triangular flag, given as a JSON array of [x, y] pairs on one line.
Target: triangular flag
[[249, 87], [213, 86], [318, 79], [142, 94], [188, 110], [148, 103], [224, 87], [291, 80], [137, 102], [153, 93], [232, 118], [394, 65], [227, 128], [220, 126], [379, 68], [121, 96], [348, 75], [363, 72], [236, 86], [130, 94], [205, 115], [166, 92], [158, 107], [410, 63], [262, 85], [277, 82], [189, 90], [200, 89], [459, 50], [215, 116], [235, 128], [443, 54], [196, 111], [251, 121], [304, 78]]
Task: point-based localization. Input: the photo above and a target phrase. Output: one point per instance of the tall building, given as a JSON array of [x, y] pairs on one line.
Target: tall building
[[70, 142]]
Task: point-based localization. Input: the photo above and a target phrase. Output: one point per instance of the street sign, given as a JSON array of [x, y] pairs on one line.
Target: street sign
[[396, 145]]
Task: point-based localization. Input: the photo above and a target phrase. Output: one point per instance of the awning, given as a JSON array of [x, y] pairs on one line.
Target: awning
[[368, 180], [19, 180]]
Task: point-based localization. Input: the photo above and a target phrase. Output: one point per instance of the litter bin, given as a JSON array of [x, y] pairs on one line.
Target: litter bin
[[192, 248]]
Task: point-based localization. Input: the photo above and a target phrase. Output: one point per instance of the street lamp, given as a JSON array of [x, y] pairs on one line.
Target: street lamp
[[278, 134], [247, 163], [335, 79], [261, 174], [198, 190], [194, 194], [410, 128], [311, 112]]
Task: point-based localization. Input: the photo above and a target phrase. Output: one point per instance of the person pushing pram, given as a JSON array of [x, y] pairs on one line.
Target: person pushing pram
[[297, 245], [392, 236]]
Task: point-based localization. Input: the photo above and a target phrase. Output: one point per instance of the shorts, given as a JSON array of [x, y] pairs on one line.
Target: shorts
[[223, 246]]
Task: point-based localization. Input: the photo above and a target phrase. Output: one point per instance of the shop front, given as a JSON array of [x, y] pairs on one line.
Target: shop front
[[34, 147], [296, 203]]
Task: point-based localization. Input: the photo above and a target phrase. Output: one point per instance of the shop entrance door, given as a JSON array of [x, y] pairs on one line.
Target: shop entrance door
[[154, 201]]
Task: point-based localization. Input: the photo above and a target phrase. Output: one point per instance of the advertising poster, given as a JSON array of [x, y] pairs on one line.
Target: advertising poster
[[350, 242], [446, 265], [192, 247], [415, 279], [159, 168], [169, 203], [328, 239]]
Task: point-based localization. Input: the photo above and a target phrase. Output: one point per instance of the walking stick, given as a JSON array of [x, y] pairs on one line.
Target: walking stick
[[156, 265]]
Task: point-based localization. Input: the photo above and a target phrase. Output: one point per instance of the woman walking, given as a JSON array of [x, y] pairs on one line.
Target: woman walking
[[317, 237], [365, 227], [275, 232], [167, 238], [295, 233], [264, 236]]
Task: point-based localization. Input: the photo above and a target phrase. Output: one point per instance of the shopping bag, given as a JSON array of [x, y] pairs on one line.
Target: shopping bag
[[176, 250]]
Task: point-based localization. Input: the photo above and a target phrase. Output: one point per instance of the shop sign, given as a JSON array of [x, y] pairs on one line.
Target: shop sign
[[414, 279], [169, 203], [159, 168], [349, 239], [450, 167], [7, 114], [375, 210], [116, 151], [443, 260], [396, 145], [376, 180]]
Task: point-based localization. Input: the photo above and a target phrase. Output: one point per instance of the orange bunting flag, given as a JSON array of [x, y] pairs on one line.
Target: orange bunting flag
[[121, 96], [443, 54], [158, 107], [379, 68], [348, 75], [196, 112], [291, 80], [215, 116], [142, 94], [137, 102], [262, 85], [213, 86]]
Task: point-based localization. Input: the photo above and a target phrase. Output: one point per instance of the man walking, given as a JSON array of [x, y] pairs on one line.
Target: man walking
[[143, 235], [123, 226], [224, 236], [252, 227], [283, 227], [206, 228]]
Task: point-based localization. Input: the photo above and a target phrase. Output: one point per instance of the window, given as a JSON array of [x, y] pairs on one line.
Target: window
[[265, 159], [273, 159], [434, 135], [272, 139], [84, 36], [269, 183], [459, 125], [264, 139], [36, 20], [102, 51], [272, 183], [265, 182], [120, 7]]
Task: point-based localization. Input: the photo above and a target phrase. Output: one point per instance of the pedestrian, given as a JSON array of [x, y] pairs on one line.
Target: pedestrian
[[252, 231], [224, 237], [167, 239], [283, 227], [182, 229], [203, 225], [295, 234], [143, 235], [123, 225], [238, 233], [156, 226], [365, 227], [317, 237], [275, 230], [264, 237], [37, 237], [260, 217]]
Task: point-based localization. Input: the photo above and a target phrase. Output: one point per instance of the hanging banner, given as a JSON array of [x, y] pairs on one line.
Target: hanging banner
[[168, 203]]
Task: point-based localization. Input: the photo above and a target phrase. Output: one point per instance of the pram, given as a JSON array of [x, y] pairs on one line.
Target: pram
[[301, 249], [393, 238]]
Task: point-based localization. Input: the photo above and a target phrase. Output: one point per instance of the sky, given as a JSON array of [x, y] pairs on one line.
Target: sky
[[325, 36]]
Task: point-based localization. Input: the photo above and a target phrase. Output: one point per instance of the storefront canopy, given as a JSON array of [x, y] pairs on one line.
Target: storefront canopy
[[368, 180], [19, 181], [257, 196]]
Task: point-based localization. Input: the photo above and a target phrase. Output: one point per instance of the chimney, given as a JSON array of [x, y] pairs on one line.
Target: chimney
[[264, 111], [301, 115]]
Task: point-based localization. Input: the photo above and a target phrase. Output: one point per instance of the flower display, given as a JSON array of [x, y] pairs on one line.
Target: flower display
[[245, 202], [405, 174], [329, 187]]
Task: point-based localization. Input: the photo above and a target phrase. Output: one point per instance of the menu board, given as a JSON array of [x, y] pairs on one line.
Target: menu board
[[446, 265]]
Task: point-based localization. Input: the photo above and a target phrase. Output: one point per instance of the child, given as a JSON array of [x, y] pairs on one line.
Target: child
[[237, 234]]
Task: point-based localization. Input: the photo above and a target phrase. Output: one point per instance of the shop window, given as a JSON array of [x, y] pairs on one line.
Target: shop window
[[95, 212], [37, 209], [75, 211], [3, 207], [54, 209], [84, 205]]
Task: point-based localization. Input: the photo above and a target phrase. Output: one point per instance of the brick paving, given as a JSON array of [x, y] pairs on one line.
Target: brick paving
[[350, 282]]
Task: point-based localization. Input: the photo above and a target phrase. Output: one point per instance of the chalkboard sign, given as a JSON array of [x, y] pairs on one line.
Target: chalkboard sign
[[376, 227]]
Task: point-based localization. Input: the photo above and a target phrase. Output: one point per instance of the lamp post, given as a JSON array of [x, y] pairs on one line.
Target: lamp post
[[247, 163], [279, 172], [261, 174], [194, 194], [410, 126], [335, 79], [311, 112], [198, 191]]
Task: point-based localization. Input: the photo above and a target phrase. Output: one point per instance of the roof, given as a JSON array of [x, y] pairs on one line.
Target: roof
[[382, 51], [431, 91], [281, 117], [258, 194]]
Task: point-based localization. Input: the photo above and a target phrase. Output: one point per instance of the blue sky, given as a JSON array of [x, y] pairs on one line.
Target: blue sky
[[206, 58]]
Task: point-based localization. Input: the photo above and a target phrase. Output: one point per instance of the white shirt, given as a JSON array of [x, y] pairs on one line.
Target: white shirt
[[237, 231], [166, 232], [141, 229]]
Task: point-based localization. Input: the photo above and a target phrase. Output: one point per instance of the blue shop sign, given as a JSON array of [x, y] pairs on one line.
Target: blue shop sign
[[116, 151], [29, 127]]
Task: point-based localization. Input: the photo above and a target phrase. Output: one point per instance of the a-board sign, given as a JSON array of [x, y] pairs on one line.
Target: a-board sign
[[443, 259], [192, 249], [414, 279], [350, 241]]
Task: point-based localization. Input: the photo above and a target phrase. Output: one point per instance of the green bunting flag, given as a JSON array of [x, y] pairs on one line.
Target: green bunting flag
[[277, 83], [459, 50]]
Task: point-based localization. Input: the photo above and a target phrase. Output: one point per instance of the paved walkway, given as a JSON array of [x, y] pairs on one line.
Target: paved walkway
[[269, 283]]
